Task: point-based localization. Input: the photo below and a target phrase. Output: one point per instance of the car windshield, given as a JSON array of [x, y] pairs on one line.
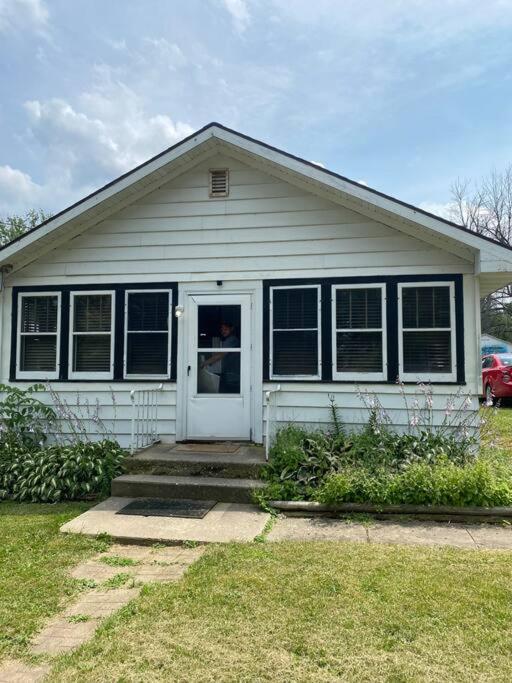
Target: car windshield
[[505, 358]]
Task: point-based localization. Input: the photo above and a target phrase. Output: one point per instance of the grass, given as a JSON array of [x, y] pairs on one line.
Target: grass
[[313, 612], [34, 564]]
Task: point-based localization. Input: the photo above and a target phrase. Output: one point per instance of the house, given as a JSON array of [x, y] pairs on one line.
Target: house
[[235, 275]]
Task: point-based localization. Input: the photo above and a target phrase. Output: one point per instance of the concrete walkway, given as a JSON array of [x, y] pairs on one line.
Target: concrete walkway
[[476, 537], [224, 523]]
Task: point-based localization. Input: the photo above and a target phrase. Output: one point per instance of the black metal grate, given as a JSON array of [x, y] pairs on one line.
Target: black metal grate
[[156, 507]]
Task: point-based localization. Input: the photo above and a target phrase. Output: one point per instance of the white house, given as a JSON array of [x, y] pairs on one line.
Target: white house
[[224, 268]]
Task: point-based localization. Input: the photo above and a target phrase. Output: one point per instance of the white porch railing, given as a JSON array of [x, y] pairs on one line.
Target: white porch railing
[[144, 417], [268, 417]]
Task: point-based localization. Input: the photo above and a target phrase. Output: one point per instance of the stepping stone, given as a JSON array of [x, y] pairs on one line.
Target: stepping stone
[[19, 672]]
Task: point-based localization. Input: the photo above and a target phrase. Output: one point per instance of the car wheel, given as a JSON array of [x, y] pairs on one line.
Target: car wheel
[[489, 396]]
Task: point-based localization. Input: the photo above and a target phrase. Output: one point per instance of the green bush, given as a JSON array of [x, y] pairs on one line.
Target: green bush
[[25, 421], [58, 473], [479, 483]]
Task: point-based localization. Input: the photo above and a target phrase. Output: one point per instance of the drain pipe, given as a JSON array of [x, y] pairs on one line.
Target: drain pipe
[[268, 402]]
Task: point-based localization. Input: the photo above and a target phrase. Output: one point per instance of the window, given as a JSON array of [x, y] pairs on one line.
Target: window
[[147, 337], [91, 343], [38, 336], [426, 316], [359, 332], [295, 332]]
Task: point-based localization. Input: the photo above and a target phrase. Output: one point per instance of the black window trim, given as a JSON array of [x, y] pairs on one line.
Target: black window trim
[[391, 283], [118, 327]]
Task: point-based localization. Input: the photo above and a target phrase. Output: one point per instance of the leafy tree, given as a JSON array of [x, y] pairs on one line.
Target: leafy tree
[[16, 225], [486, 208]]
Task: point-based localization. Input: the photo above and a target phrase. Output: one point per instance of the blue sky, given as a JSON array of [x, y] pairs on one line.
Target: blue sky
[[405, 95]]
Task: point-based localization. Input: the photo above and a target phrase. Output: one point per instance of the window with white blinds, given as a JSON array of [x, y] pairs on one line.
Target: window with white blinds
[[426, 318], [359, 332], [295, 329], [91, 344], [147, 333], [38, 348]]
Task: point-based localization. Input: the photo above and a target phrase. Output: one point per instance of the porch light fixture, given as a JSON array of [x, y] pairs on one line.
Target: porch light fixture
[[178, 311]]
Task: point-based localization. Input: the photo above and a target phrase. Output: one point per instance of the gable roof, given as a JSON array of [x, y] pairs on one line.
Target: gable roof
[[142, 178]]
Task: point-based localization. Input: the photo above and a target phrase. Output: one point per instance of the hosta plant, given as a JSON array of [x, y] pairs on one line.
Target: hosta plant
[[58, 472]]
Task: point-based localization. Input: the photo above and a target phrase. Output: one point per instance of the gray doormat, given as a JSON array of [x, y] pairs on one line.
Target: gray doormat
[[158, 507]]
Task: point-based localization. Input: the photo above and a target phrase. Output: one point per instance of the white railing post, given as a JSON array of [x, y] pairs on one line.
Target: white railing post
[[268, 418], [144, 428]]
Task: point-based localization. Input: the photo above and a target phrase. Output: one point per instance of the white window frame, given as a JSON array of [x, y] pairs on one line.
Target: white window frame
[[318, 329], [29, 374], [360, 376], [436, 376], [126, 375], [91, 375]]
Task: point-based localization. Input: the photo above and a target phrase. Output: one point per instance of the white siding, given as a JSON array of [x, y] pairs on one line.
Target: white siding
[[266, 228]]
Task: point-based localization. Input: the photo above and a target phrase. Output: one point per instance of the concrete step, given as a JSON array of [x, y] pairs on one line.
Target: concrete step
[[223, 490], [245, 463]]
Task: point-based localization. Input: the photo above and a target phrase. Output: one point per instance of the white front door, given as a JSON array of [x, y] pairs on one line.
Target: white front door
[[218, 372]]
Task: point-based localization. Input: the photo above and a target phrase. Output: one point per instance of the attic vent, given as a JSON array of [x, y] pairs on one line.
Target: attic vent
[[219, 182]]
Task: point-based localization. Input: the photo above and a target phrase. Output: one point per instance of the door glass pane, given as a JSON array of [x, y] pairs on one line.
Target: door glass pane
[[218, 372], [218, 327]]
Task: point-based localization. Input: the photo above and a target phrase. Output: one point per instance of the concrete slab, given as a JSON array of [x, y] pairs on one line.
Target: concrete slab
[[491, 537], [316, 529], [224, 523], [421, 533]]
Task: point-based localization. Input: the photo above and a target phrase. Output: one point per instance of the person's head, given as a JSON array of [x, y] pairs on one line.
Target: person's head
[[226, 328]]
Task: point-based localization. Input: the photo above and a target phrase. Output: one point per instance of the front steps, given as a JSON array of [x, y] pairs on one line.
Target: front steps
[[165, 471], [194, 488]]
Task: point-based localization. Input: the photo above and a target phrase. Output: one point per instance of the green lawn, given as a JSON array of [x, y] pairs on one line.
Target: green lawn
[[34, 563], [314, 612]]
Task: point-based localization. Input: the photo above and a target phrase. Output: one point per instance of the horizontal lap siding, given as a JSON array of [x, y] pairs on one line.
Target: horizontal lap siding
[[309, 405], [265, 227], [115, 414]]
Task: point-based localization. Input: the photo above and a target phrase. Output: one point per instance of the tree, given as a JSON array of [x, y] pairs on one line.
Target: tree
[[16, 225], [486, 208]]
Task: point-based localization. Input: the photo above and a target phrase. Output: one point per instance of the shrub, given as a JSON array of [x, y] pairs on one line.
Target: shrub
[[25, 421], [299, 461], [60, 473], [479, 483]]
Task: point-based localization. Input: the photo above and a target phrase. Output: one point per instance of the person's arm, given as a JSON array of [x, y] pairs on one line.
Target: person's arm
[[213, 359]]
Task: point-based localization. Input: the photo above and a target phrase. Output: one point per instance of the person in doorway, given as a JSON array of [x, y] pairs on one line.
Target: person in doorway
[[230, 362]]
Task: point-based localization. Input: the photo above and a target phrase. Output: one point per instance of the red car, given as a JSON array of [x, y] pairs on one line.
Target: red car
[[497, 376]]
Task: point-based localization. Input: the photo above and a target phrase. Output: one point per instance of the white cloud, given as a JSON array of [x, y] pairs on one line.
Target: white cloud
[[108, 129], [442, 209], [168, 54], [239, 13], [18, 15]]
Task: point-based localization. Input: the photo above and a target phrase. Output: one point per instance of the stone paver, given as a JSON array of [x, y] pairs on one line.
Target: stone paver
[[19, 672], [405, 532], [80, 620], [224, 523]]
